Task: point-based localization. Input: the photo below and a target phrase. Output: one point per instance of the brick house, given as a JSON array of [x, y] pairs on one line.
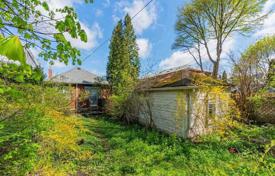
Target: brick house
[[81, 81]]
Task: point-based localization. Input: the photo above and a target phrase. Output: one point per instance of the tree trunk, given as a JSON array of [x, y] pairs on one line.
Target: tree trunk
[[215, 69], [216, 64]]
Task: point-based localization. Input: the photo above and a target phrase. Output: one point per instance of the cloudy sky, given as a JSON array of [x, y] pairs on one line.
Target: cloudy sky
[[154, 27]]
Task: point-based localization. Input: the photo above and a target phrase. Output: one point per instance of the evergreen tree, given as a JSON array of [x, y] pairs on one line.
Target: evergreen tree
[[113, 65], [130, 39], [123, 66], [119, 65], [224, 76]]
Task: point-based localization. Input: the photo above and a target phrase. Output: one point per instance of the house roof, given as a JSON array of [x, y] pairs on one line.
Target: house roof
[[78, 75], [176, 77]]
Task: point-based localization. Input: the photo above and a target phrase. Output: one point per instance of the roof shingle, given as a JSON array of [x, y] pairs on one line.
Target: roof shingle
[[78, 76]]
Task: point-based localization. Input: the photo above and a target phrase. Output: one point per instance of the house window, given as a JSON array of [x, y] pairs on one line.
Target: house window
[[94, 95], [211, 109]]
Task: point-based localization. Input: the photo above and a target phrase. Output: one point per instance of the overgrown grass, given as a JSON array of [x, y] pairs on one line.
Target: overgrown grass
[[132, 150], [38, 136]]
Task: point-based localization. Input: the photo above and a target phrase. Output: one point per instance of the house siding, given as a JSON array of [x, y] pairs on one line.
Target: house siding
[[169, 111], [183, 112]]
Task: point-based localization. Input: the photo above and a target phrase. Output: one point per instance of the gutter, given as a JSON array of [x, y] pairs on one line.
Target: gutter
[[170, 88]]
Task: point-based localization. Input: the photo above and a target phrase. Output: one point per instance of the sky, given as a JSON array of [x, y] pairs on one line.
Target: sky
[[154, 28]]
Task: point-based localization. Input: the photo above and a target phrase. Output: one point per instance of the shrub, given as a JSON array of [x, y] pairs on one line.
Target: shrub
[[124, 107], [36, 137]]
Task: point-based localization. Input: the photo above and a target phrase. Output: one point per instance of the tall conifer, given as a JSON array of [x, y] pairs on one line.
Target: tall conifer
[[114, 63], [130, 39], [123, 65]]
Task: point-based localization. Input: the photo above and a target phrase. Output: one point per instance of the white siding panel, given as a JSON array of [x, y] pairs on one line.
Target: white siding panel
[[166, 114]]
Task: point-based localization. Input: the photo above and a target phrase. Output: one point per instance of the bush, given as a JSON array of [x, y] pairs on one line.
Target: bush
[[124, 107], [36, 137]]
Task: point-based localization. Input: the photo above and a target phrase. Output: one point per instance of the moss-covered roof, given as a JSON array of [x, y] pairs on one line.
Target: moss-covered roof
[[181, 77]]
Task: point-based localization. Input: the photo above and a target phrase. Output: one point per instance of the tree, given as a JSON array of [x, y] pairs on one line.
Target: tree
[[123, 71], [40, 27], [124, 65], [224, 76], [271, 74], [203, 21], [114, 55], [13, 65], [130, 39], [119, 66], [257, 60], [250, 72]]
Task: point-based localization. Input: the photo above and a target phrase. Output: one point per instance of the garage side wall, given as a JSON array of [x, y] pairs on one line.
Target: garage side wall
[[169, 111]]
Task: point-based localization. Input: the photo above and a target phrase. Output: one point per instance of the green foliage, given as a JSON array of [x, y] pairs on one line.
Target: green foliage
[[262, 50], [123, 68], [21, 73], [271, 74], [257, 58], [124, 107], [9, 45], [202, 21], [130, 40], [115, 106], [36, 137], [133, 150], [123, 65], [118, 68], [15, 72], [14, 67], [253, 74], [27, 18]]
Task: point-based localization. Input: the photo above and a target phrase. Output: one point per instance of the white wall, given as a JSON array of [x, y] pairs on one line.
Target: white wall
[[183, 111], [169, 111]]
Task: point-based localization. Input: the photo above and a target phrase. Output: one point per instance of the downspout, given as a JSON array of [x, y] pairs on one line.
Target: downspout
[[188, 113], [76, 102]]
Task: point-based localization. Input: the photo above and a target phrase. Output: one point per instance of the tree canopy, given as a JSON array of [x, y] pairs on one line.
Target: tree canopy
[[123, 65], [203, 21], [271, 74], [130, 39], [253, 72], [258, 57], [39, 26]]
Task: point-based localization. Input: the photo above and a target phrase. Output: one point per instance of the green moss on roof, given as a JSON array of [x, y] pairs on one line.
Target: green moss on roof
[[196, 78]]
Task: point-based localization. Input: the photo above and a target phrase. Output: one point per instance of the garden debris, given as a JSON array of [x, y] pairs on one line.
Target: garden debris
[[233, 150]]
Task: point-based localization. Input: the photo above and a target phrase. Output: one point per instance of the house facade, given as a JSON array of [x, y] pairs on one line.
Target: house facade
[[88, 90], [177, 105]]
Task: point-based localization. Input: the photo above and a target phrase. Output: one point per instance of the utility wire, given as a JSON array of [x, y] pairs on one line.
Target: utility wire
[[142, 9], [105, 41]]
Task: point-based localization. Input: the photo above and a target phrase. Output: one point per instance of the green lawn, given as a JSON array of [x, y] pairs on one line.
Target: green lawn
[[131, 150]]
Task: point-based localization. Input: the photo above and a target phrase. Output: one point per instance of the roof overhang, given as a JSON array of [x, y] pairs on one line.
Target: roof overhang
[[170, 88]]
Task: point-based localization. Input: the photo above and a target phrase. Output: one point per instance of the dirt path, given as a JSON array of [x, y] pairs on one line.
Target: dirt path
[[104, 141]]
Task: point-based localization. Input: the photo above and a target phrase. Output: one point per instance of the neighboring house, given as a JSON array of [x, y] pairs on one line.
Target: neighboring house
[[177, 104], [83, 81]]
